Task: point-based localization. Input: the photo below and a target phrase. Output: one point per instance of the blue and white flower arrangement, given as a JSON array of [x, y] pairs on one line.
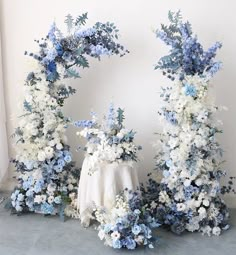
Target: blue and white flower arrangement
[[48, 177], [128, 224], [110, 141], [189, 155]]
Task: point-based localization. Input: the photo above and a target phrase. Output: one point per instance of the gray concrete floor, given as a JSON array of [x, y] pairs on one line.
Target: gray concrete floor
[[37, 235]]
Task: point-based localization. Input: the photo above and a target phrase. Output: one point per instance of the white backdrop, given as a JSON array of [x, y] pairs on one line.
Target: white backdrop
[[3, 135], [130, 81]]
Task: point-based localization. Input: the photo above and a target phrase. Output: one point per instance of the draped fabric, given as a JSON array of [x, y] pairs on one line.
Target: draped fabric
[[100, 188], [4, 161]]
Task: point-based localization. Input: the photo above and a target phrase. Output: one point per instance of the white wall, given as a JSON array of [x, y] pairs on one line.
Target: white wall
[[131, 80]]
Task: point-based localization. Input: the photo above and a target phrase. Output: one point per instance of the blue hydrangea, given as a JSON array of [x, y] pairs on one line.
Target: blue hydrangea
[[47, 208], [38, 186], [190, 90]]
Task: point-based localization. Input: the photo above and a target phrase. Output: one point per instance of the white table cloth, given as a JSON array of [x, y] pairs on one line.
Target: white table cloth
[[101, 188]]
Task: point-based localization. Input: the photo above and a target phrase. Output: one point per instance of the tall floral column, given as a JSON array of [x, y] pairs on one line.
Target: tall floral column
[[189, 196]]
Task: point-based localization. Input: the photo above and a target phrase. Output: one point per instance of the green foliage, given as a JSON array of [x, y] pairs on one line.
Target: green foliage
[[175, 17], [72, 73], [82, 61], [120, 116], [81, 20], [27, 106], [69, 22]]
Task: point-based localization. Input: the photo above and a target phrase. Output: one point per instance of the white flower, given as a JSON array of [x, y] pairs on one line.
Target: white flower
[[59, 146], [163, 197], [115, 235], [101, 234], [206, 202], [50, 199], [70, 187], [216, 231], [19, 208], [41, 156], [49, 152], [38, 199], [153, 204], [20, 197], [202, 211], [181, 207], [187, 182], [199, 182]]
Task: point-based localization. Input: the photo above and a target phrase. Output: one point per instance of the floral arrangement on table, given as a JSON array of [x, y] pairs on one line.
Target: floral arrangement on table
[[48, 177], [189, 156], [128, 224], [110, 141]]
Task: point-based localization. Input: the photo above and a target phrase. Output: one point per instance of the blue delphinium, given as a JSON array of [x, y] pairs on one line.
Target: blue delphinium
[[187, 56]]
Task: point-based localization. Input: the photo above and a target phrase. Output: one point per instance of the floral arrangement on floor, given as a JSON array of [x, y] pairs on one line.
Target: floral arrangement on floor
[[48, 177], [128, 224], [189, 155], [110, 141]]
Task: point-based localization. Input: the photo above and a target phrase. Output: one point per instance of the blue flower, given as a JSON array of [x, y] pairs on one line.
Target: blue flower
[[99, 50], [51, 33], [107, 228], [190, 90], [57, 200], [52, 67], [59, 49], [84, 123], [68, 158], [38, 186], [61, 162], [170, 116], [166, 173], [136, 229], [130, 243], [47, 208], [116, 244], [58, 168]]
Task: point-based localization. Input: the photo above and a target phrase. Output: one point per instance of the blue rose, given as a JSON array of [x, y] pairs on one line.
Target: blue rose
[[116, 244], [130, 243], [68, 158]]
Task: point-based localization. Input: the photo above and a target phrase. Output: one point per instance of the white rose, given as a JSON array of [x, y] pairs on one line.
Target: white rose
[[37, 199], [59, 146], [216, 231], [206, 202], [202, 211], [198, 182], [187, 182], [41, 156]]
